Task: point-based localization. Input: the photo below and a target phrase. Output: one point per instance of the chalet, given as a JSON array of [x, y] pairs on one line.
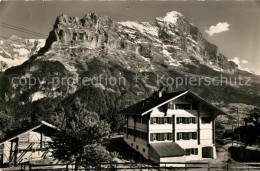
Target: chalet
[[28, 145], [172, 127]]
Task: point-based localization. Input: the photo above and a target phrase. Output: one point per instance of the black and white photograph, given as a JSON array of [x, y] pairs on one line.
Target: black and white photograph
[[129, 85]]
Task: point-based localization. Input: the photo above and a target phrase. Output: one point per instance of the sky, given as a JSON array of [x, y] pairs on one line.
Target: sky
[[234, 26]]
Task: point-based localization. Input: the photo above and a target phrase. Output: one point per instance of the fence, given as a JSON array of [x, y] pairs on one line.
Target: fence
[[167, 166]]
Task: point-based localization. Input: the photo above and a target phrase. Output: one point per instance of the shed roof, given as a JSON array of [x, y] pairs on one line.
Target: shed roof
[[16, 134], [168, 149]]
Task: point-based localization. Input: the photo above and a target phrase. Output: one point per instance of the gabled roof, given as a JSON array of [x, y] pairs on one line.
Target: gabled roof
[[168, 149], [17, 134], [147, 105]]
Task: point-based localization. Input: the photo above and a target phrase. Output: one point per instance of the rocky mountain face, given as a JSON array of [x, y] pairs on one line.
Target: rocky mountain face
[[170, 40], [15, 50], [96, 46]]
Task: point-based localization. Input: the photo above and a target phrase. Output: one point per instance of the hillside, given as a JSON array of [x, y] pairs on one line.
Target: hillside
[[96, 45]]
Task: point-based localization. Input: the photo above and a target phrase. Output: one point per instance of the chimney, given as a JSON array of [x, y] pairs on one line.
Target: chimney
[[160, 92]]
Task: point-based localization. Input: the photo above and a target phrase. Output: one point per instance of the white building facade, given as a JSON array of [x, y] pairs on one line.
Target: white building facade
[[172, 127]]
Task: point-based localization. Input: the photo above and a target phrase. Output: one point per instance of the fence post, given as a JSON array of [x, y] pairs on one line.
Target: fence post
[[67, 167], [165, 166], [30, 167], [208, 167]]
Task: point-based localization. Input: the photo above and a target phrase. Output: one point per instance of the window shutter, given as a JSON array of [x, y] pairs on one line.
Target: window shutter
[[196, 151], [151, 121], [178, 136], [155, 120], [170, 136], [193, 151], [190, 134], [186, 135], [151, 137], [166, 136], [178, 120], [170, 120], [194, 135]]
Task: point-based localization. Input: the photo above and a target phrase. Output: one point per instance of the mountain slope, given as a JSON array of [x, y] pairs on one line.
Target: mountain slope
[[15, 50], [96, 46]]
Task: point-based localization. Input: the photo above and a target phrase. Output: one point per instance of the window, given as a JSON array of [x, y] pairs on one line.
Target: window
[[161, 120], [132, 144], [152, 137], [142, 119], [168, 120], [137, 147], [186, 135], [183, 106], [194, 107], [186, 120], [170, 105], [191, 151], [143, 150], [155, 120], [206, 120], [194, 135], [160, 136], [138, 134], [168, 136]]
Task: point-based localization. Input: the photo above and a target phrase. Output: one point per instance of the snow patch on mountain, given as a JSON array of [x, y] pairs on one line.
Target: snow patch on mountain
[[22, 51], [143, 27], [15, 50], [171, 17]]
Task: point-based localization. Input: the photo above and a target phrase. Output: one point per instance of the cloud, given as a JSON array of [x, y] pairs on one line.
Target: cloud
[[218, 28], [241, 64]]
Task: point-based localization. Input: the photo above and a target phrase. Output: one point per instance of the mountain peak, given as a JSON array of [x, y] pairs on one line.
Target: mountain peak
[[14, 37], [171, 17]]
